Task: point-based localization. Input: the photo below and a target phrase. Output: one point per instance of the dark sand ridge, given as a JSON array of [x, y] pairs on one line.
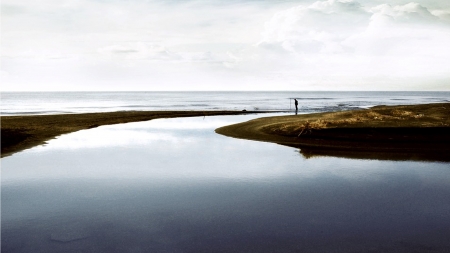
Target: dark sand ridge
[[417, 132], [22, 132]]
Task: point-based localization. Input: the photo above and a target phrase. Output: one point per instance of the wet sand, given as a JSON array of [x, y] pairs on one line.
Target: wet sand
[[23, 132], [418, 132]]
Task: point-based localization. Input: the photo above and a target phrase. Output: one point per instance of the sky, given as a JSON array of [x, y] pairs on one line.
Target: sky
[[172, 45]]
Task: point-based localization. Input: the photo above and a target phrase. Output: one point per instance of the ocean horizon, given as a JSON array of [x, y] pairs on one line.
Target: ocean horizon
[[36, 103]]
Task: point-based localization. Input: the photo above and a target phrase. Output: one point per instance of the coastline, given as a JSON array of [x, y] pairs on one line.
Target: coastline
[[404, 132], [23, 132], [394, 131]]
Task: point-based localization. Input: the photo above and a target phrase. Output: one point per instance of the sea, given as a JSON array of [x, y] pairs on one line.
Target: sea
[[35, 103]]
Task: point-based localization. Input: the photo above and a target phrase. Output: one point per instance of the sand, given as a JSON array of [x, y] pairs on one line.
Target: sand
[[23, 132], [418, 132]]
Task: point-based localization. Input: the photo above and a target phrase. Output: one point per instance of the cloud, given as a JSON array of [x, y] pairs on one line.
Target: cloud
[[442, 14], [349, 43], [319, 27], [240, 44], [332, 26], [409, 30], [138, 51], [408, 13]]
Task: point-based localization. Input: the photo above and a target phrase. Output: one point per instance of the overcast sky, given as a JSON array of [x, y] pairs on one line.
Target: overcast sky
[[225, 45]]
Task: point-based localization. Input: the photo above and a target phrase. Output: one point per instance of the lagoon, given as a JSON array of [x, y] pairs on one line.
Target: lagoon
[[174, 185]]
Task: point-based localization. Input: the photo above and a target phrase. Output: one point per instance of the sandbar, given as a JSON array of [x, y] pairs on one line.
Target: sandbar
[[22, 132], [405, 132]]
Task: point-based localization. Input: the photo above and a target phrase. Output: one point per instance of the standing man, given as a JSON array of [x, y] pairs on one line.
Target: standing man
[[296, 105]]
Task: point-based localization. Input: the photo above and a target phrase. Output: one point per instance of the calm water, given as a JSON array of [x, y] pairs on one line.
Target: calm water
[[14, 103], [173, 185]]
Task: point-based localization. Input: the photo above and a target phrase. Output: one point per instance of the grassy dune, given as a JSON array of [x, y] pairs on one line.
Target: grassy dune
[[420, 130]]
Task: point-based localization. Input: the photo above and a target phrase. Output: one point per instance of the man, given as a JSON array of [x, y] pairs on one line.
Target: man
[[296, 104]]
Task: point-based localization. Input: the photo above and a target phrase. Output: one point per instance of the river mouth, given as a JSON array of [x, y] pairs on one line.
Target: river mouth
[[173, 185]]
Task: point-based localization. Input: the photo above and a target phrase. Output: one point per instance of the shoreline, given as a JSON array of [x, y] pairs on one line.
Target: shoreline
[[23, 132], [418, 131], [406, 132]]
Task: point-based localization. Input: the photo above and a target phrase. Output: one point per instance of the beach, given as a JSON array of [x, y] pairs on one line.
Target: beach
[[404, 128]]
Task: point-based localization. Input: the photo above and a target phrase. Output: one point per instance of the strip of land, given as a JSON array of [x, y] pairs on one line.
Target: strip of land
[[405, 132], [23, 132], [396, 132]]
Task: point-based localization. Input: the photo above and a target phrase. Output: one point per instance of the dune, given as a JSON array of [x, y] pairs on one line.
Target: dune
[[383, 132]]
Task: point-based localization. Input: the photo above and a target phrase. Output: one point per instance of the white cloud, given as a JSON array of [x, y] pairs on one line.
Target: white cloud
[[137, 51], [319, 27], [197, 44], [355, 46]]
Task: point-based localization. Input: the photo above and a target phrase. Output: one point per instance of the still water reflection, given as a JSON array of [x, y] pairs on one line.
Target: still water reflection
[[173, 185]]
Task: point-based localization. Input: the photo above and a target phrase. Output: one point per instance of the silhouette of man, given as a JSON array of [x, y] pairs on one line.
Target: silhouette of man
[[296, 104]]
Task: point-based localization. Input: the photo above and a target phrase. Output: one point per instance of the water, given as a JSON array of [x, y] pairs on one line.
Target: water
[[173, 185], [26, 103]]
